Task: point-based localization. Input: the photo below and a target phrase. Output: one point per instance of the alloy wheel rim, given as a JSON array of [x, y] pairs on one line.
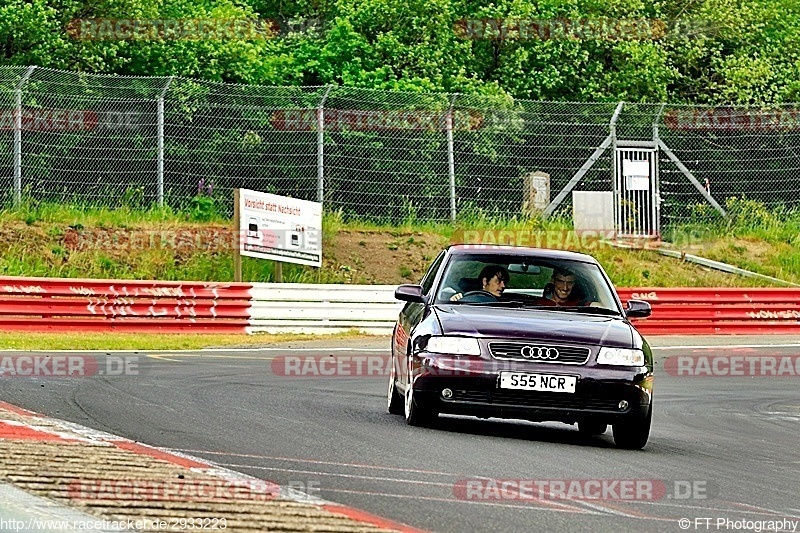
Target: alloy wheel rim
[[390, 394], [408, 403]]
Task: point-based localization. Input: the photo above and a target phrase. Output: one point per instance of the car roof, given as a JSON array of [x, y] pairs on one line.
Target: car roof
[[497, 249]]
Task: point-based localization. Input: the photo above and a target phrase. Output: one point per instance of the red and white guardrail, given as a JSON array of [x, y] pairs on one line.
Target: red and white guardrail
[[48, 304], [724, 310]]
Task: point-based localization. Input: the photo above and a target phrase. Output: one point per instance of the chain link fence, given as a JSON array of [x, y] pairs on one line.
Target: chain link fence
[[385, 156]]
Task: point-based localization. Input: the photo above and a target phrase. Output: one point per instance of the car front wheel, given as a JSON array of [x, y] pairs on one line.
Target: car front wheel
[[632, 433], [394, 402], [416, 414]]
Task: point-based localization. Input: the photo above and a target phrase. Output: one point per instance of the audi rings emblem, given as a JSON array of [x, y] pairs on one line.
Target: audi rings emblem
[[539, 352]]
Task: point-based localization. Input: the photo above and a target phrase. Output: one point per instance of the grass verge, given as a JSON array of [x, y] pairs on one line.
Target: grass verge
[[51, 240], [24, 341]]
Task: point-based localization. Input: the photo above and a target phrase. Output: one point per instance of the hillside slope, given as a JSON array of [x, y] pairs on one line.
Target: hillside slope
[[193, 251]]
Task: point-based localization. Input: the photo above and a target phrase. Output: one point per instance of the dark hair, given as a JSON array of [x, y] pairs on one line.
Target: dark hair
[[578, 291], [561, 271], [490, 271]]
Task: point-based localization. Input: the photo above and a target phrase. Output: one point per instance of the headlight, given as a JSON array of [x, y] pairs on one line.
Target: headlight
[[454, 345], [620, 357]]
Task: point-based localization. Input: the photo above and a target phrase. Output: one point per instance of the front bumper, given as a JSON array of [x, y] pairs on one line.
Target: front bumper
[[475, 390]]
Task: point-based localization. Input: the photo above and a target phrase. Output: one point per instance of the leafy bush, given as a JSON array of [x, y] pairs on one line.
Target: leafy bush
[[204, 207], [743, 212]]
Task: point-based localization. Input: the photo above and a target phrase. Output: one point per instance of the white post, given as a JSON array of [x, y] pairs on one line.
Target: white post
[[18, 137], [160, 155], [321, 147], [451, 161]]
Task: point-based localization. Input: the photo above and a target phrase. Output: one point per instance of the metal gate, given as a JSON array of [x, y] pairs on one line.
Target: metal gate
[[636, 191]]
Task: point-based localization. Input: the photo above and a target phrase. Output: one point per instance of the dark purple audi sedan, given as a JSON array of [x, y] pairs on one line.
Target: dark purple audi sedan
[[521, 333]]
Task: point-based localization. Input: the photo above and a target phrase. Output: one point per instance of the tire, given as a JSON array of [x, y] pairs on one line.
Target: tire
[[632, 434], [394, 402], [592, 427], [416, 414]]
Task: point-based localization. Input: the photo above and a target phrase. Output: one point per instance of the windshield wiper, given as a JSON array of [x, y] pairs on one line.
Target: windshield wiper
[[579, 309], [499, 303]]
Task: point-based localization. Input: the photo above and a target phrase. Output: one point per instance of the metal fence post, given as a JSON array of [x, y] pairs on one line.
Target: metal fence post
[[18, 137], [160, 156], [615, 187], [657, 164], [573, 182], [451, 161], [612, 133], [656, 121], [321, 146]]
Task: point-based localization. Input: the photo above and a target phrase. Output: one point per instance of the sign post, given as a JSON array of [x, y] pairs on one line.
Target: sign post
[[237, 238], [283, 229]]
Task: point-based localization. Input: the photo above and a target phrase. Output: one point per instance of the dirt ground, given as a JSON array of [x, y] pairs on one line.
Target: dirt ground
[[381, 257], [361, 256]]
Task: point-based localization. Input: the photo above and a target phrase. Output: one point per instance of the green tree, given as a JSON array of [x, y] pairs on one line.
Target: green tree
[[716, 51]]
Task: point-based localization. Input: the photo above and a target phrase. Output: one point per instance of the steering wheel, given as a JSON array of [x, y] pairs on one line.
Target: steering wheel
[[478, 297]]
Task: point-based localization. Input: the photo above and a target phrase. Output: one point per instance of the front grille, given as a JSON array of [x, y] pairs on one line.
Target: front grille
[[544, 400], [539, 352]]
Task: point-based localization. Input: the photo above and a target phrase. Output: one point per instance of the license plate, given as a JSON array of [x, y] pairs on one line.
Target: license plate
[[537, 382]]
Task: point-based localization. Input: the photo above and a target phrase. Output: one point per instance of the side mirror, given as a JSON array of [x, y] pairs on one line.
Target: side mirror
[[409, 293], [638, 309]]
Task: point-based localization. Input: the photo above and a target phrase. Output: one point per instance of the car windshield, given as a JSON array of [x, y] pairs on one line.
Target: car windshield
[[526, 281]]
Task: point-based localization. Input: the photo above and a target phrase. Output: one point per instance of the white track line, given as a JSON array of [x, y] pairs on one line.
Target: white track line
[[317, 461], [211, 350], [338, 474], [725, 346], [357, 349]]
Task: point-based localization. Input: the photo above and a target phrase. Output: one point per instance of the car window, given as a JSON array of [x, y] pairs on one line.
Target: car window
[[430, 275], [530, 280]]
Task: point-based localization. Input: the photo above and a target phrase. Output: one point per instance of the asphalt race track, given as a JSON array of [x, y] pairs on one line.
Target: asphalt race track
[[722, 446]]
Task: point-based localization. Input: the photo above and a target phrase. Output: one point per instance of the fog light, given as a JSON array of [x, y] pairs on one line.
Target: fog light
[[623, 405], [447, 393]]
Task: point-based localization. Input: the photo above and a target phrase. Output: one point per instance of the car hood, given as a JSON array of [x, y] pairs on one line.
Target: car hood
[[539, 324]]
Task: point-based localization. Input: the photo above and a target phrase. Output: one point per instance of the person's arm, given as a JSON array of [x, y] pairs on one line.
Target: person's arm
[[447, 293]]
